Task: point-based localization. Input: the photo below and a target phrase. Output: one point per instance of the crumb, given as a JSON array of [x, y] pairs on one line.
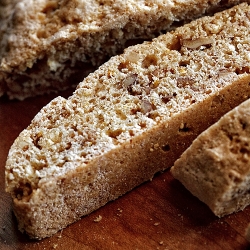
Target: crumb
[[98, 218], [157, 223], [120, 210], [3, 228], [55, 246], [161, 242]]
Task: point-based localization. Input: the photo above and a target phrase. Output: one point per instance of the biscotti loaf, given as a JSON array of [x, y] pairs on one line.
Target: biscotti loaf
[[216, 167], [128, 120], [48, 45]]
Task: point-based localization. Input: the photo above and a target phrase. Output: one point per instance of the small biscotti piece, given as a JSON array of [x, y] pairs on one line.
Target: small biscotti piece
[[48, 45], [128, 120], [216, 167]]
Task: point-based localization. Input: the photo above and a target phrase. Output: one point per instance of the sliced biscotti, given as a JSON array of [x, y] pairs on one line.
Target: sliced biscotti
[[48, 45], [216, 167], [131, 118]]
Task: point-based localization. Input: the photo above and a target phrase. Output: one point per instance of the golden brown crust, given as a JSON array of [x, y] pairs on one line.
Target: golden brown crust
[[131, 118], [42, 49]]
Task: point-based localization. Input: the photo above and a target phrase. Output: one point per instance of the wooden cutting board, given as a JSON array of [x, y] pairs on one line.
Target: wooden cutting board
[[159, 214]]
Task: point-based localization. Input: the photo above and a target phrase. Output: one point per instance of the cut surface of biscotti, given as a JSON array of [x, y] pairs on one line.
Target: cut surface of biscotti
[[128, 120], [216, 167], [49, 45]]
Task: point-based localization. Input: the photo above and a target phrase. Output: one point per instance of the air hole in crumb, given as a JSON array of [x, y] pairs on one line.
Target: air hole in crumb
[[122, 65], [143, 124], [131, 133], [149, 60], [243, 124], [183, 63], [25, 148], [177, 24], [23, 190], [36, 141], [175, 45], [166, 99], [114, 133], [184, 128], [68, 146], [244, 150], [234, 178], [121, 115], [242, 70], [165, 148], [83, 154]]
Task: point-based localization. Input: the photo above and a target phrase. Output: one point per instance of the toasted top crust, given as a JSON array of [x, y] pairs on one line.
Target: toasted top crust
[[130, 95]]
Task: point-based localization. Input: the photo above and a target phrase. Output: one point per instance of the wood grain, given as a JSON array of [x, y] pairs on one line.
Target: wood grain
[[159, 214]]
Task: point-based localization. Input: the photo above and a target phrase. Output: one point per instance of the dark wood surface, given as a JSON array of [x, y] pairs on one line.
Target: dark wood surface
[[159, 214]]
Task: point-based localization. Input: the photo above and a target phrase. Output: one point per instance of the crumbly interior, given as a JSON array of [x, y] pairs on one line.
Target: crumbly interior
[[216, 166], [116, 128], [47, 45]]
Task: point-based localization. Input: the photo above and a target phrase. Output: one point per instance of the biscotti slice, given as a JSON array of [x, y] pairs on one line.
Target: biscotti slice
[[49, 45], [216, 167], [131, 118]]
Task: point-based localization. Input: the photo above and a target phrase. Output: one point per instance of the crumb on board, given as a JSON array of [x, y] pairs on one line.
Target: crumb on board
[[98, 218], [55, 246], [156, 223], [120, 211]]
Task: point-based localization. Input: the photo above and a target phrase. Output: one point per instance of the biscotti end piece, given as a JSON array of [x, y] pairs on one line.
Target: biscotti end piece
[[131, 118], [50, 45], [216, 167]]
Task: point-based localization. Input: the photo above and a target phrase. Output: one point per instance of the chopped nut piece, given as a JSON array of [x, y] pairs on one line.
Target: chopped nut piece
[[146, 106], [129, 80], [184, 81], [196, 43]]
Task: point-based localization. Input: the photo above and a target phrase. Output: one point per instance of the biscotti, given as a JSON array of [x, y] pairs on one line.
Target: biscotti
[[216, 167], [50, 45], [131, 118]]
